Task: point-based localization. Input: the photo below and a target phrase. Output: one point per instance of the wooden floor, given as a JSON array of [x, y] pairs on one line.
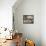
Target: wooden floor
[[9, 43]]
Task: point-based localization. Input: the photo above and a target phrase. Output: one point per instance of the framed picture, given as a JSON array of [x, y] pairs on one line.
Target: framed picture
[[28, 19]]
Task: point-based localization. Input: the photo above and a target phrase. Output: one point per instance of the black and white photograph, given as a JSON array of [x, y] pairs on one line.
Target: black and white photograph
[[28, 19]]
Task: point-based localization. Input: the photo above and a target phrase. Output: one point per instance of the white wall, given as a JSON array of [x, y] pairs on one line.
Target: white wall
[[43, 22], [31, 31], [6, 13]]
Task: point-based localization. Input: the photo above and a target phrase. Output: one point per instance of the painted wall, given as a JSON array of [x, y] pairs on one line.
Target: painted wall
[[43, 22], [30, 31], [6, 13]]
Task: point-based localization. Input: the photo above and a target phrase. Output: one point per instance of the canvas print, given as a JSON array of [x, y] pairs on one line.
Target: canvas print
[[28, 19]]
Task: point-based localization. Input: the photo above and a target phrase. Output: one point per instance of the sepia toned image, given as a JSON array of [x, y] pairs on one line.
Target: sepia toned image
[[28, 19]]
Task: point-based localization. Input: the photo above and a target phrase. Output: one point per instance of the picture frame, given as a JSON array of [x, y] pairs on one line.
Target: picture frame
[[28, 19]]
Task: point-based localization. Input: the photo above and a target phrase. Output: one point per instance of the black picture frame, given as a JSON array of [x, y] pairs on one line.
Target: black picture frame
[[28, 19]]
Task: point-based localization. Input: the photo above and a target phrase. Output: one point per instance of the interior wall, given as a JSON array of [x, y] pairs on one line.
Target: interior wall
[[30, 31], [6, 13], [43, 22]]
